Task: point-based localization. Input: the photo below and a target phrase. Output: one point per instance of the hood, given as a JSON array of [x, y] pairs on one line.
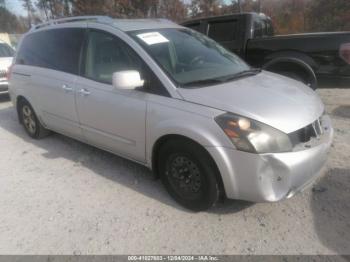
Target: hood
[[5, 62], [278, 101]]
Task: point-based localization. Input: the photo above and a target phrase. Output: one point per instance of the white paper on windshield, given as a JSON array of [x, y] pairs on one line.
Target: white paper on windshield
[[153, 38]]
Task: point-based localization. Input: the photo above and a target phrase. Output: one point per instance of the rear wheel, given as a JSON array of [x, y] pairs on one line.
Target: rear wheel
[[189, 174], [30, 121]]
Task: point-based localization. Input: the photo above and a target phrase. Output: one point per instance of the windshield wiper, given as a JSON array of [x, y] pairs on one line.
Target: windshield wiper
[[219, 80], [249, 72], [210, 81]]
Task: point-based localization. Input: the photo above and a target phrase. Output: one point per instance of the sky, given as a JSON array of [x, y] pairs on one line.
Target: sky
[[15, 6]]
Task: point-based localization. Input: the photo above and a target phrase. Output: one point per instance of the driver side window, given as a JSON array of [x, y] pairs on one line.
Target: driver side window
[[106, 54]]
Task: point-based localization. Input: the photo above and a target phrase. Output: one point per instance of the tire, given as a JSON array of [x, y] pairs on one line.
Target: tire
[[189, 174], [30, 121]]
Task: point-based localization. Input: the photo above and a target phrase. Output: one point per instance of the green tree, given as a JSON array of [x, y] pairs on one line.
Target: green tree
[[325, 15], [54, 8], [174, 10], [203, 8]]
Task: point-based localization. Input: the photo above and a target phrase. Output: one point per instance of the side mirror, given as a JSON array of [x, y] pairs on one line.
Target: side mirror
[[130, 79]]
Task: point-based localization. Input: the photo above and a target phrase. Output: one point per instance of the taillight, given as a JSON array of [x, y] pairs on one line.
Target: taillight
[[8, 72], [344, 52]]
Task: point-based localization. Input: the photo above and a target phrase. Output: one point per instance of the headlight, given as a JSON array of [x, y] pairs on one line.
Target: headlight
[[252, 136]]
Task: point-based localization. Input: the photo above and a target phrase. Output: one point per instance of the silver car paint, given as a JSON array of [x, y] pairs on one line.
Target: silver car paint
[[104, 121], [271, 177], [278, 101], [132, 126], [140, 24]]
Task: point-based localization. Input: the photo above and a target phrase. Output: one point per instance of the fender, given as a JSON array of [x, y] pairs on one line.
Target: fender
[[292, 54], [291, 60], [206, 137], [204, 132], [33, 105]]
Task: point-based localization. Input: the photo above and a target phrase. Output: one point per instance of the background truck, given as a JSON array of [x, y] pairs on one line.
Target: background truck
[[311, 58]]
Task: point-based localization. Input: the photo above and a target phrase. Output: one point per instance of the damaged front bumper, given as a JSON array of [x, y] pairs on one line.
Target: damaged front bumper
[[272, 177]]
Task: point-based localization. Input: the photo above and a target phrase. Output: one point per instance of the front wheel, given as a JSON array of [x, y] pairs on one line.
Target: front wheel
[[30, 121], [189, 175]]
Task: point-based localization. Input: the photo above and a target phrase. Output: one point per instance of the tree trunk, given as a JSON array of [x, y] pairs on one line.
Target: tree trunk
[[239, 6]]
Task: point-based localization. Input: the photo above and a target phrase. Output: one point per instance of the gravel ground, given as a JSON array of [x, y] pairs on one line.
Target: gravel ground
[[59, 196]]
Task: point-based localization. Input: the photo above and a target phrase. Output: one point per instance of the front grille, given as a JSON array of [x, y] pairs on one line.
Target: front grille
[[2, 73], [305, 134]]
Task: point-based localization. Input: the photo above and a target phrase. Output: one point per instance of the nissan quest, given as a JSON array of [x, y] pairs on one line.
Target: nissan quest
[[172, 99]]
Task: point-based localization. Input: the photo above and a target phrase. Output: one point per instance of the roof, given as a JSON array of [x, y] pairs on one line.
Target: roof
[[139, 24], [122, 24]]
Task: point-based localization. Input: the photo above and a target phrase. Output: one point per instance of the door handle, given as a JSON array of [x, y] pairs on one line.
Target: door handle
[[84, 92], [66, 88]]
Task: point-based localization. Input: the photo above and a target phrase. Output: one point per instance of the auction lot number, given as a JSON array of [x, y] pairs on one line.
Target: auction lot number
[[172, 258]]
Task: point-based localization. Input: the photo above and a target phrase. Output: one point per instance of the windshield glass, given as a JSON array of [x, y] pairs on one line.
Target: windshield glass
[[188, 56], [5, 50]]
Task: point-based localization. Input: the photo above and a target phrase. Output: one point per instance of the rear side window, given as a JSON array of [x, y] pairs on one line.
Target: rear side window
[[5, 50], [223, 31], [258, 31], [262, 27], [194, 26], [269, 28], [57, 49]]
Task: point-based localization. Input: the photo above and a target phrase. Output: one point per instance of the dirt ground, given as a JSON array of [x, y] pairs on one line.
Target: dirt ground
[[59, 196]]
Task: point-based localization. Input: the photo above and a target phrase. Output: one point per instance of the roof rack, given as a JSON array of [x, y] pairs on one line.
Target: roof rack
[[100, 19]]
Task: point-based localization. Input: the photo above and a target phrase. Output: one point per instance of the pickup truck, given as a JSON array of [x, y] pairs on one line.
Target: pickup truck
[[311, 58]]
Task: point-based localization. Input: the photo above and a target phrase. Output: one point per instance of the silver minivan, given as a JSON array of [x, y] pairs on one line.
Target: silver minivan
[[175, 101]]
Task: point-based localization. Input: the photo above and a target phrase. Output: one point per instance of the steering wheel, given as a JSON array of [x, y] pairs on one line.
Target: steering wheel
[[196, 60]]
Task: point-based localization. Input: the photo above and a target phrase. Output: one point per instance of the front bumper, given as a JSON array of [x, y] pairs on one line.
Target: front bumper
[[272, 177]]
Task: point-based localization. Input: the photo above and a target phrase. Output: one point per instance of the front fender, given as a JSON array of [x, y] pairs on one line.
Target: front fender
[[201, 128]]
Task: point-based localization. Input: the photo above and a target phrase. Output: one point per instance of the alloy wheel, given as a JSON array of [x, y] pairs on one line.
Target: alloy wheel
[[29, 119]]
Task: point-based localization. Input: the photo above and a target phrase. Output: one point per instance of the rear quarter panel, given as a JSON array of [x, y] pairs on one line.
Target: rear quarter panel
[[20, 83]]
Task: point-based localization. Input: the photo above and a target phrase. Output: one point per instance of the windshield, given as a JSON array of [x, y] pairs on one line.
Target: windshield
[[188, 56], [5, 50]]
